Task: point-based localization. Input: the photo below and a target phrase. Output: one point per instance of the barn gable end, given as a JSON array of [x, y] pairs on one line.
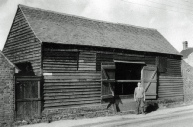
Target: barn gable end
[[22, 45]]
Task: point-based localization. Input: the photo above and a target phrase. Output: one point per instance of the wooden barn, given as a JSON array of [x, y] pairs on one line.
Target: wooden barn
[[70, 61]]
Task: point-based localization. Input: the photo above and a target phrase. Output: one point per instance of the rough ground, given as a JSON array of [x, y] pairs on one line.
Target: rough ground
[[164, 114]]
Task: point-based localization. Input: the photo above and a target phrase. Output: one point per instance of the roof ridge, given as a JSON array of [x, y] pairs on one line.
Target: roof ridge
[[19, 6], [86, 18]]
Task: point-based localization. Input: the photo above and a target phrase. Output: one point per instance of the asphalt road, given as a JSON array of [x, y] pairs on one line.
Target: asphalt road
[[164, 118], [167, 117], [178, 119]]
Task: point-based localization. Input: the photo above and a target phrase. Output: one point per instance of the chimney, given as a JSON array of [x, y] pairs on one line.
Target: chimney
[[185, 45]]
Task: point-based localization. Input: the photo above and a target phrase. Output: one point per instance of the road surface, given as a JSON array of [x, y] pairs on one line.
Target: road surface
[[168, 117], [175, 119], [162, 118]]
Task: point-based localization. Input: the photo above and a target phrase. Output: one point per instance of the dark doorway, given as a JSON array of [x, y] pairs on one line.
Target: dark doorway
[[125, 72], [25, 69]]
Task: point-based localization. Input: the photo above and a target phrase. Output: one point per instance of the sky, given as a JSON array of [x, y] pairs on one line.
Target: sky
[[172, 18]]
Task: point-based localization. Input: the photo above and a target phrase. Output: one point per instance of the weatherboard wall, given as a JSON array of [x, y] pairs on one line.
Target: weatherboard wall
[[70, 77], [72, 74], [22, 45]]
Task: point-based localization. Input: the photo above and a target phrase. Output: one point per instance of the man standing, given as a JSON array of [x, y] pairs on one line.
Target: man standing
[[139, 97]]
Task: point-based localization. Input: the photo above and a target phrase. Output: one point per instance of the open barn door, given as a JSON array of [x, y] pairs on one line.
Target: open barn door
[[108, 80], [149, 79]]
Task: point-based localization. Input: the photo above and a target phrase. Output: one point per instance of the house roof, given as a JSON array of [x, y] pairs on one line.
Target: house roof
[[63, 28], [13, 65], [186, 52]]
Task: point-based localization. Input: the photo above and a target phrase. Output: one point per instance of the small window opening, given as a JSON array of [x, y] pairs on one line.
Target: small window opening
[[26, 69]]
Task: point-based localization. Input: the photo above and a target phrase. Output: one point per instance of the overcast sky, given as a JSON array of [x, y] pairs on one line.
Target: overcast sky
[[172, 18]]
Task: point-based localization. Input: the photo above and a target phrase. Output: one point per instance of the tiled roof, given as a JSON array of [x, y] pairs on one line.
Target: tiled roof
[[186, 52], [62, 28]]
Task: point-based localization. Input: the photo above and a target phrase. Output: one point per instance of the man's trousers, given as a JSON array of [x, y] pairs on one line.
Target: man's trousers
[[139, 105]]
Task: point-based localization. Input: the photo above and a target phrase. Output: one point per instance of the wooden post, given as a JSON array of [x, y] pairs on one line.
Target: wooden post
[[39, 96]]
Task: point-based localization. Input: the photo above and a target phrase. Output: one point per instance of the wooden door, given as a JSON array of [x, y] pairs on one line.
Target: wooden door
[[149, 80], [108, 80], [28, 97]]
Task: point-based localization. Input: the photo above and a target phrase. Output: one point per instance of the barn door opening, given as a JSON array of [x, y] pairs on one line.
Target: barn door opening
[[28, 97], [120, 78], [127, 75]]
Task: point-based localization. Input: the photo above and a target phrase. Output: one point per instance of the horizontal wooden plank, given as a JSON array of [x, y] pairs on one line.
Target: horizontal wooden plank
[[61, 58], [170, 98], [76, 71], [60, 69], [59, 63], [71, 103], [66, 71], [173, 95], [87, 69], [70, 90], [72, 83], [30, 51], [66, 66], [55, 97], [47, 48], [71, 87], [70, 100], [170, 94], [86, 66], [171, 80], [22, 26], [167, 87], [170, 83], [170, 77], [77, 74], [170, 90], [72, 77], [72, 93], [28, 46], [83, 51]]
